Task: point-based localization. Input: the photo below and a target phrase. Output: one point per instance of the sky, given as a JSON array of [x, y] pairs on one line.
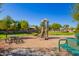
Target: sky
[[35, 12]]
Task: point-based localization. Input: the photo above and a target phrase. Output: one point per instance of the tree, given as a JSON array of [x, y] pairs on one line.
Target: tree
[[75, 14], [13, 26], [56, 26], [2, 25], [24, 25], [18, 25], [65, 28], [7, 22], [50, 27]]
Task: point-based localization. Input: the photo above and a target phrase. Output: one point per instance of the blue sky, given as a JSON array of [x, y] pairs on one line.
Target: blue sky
[[35, 12]]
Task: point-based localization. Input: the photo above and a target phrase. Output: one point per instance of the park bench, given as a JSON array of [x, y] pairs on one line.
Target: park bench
[[71, 45]]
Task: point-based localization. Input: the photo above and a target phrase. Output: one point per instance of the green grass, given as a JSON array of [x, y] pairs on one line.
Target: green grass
[[3, 36], [61, 33]]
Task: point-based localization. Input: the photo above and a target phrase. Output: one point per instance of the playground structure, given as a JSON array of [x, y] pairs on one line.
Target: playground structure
[[44, 29], [71, 45]]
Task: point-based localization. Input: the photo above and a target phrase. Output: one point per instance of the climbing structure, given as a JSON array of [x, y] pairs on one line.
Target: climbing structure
[[44, 29]]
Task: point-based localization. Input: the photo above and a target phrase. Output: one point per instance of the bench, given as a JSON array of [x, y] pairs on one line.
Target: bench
[[73, 49]]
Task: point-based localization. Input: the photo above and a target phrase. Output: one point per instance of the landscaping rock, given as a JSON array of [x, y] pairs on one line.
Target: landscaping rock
[[31, 52]]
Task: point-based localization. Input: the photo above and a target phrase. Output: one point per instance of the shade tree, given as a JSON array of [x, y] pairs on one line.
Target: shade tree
[[56, 26]]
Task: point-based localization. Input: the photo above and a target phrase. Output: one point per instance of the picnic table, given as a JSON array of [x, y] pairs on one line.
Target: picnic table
[[14, 39]]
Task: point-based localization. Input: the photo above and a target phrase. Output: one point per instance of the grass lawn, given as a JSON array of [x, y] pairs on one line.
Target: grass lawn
[[61, 33], [3, 36], [50, 33]]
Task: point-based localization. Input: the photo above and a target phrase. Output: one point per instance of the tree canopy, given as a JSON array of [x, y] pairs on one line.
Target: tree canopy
[[7, 23], [56, 26], [75, 12], [24, 24]]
